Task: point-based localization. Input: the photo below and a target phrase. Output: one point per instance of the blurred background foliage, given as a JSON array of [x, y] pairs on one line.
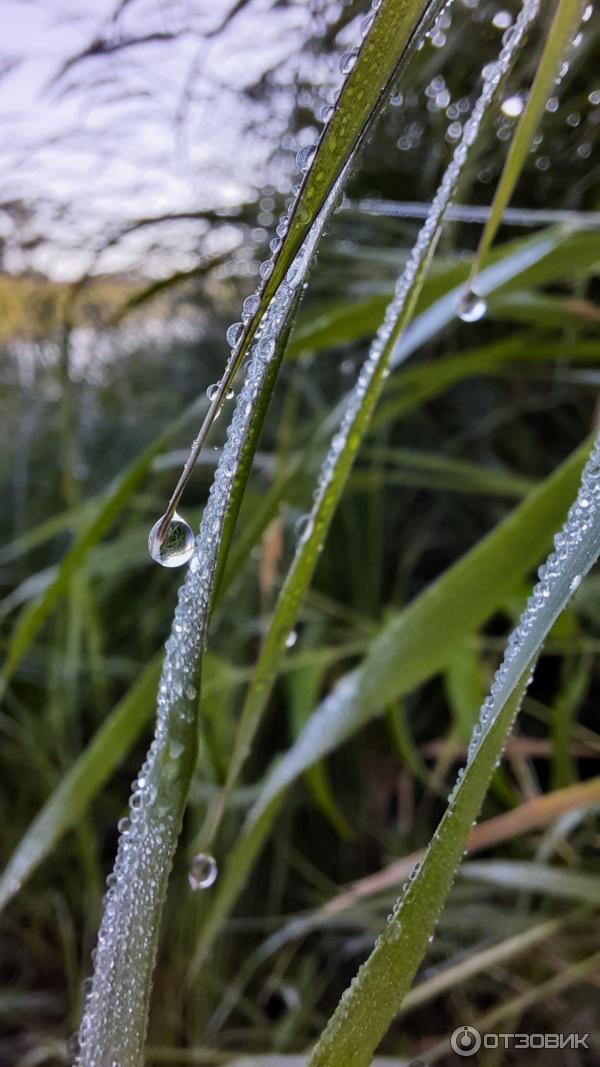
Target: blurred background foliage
[[143, 181]]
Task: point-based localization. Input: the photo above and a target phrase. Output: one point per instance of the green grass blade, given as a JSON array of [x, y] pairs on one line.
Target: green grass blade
[[562, 31], [394, 32], [419, 641], [83, 780], [116, 1013], [357, 416], [369, 1005], [412, 647]]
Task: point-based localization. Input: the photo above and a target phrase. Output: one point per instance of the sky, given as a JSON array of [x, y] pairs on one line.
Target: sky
[[164, 126]]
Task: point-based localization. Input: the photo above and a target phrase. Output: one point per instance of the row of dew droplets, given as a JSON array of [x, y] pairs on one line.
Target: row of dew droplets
[[323, 723], [420, 254], [115, 1015], [170, 541], [576, 549], [473, 306]]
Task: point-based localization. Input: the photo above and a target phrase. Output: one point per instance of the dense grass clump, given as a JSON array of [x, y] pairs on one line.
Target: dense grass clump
[[373, 503]]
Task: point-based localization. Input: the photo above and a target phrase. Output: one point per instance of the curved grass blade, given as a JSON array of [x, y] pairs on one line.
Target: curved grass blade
[[393, 32], [362, 401], [81, 783], [562, 31], [411, 648], [116, 1012], [370, 1003]]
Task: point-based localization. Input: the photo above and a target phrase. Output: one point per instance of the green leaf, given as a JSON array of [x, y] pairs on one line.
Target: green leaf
[[562, 31]]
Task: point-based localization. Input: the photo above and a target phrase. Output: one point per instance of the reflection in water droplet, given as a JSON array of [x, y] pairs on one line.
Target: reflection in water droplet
[[513, 106], [347, 61], [305, 156], [203, 871], [472, 307], [234, 332], [176, 546]]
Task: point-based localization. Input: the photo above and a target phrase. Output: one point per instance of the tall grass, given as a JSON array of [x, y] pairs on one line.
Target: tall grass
[[432, 633]]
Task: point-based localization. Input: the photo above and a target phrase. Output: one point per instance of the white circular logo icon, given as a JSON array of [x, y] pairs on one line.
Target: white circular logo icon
[[466, 1041]]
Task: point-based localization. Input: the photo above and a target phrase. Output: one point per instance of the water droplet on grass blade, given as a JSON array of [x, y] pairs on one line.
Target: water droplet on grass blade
[[305, 156], [234, 333], [472, 307], [203, 871], [175, 547]]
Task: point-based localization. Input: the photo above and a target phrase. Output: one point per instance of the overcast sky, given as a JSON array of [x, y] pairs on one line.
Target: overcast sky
[[159, 127]]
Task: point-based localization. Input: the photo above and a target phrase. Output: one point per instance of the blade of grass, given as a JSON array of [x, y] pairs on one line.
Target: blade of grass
[[562, 31], [482, 962], [116, 1011], [411, 648], [346, 442], [370, 1003], [396, 29]]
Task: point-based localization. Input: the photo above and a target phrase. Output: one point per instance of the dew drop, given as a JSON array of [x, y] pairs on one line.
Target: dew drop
[[347, 61], [291, 639], [250, 306], [203, 871], [575, 583], [472, 307], [303, 526], [176, 546], [212, 391], [305, 156], [234, 332]]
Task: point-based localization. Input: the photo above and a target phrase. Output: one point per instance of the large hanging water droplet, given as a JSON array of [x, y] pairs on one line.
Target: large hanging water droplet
[[203, 871], [176, 546], [472, 307]]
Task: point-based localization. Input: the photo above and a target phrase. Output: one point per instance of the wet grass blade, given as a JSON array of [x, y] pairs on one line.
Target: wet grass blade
[[396, 28], [370, 1003], [412, 647], [562, 31], [360, 406]]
